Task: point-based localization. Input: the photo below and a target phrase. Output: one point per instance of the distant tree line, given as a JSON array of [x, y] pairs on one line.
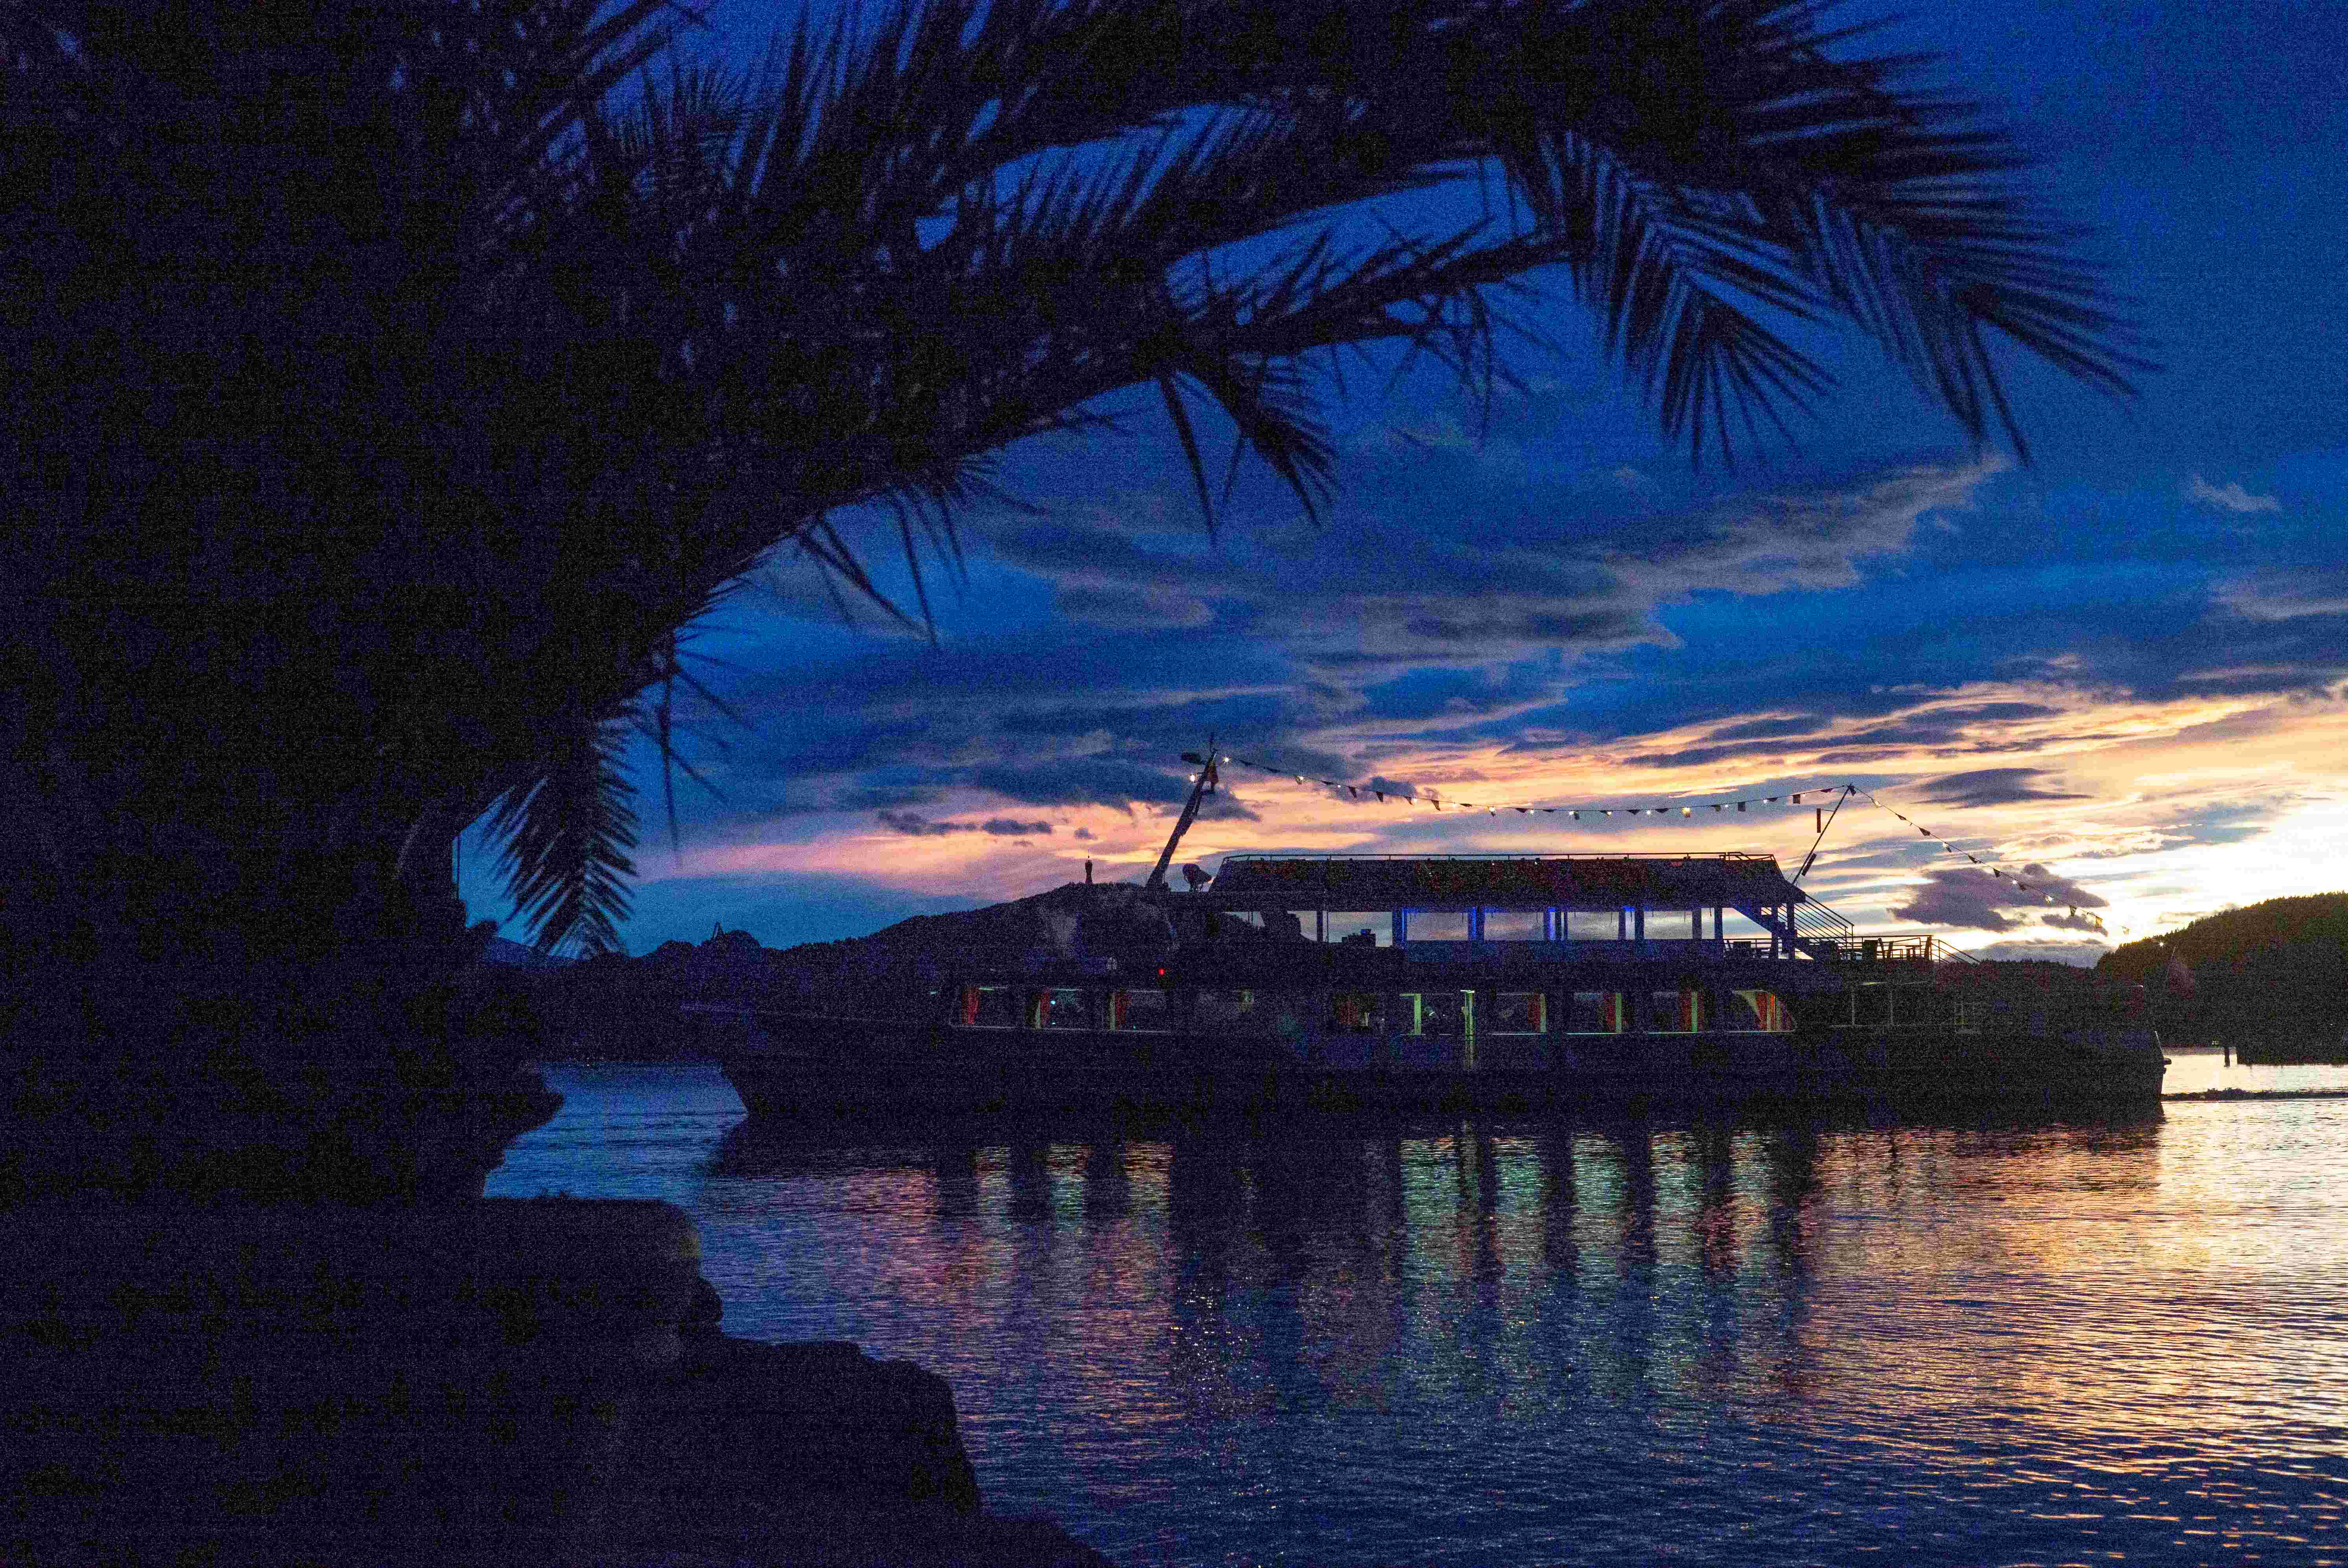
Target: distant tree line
[[2276, 971]]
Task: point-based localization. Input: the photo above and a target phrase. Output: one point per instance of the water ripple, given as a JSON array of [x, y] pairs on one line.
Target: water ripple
[[1536, 1342]]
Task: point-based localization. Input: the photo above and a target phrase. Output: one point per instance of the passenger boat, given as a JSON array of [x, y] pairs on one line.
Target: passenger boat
[[1501, 980]]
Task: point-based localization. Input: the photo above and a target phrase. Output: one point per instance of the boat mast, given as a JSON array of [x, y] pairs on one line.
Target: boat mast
[[1200, 787]]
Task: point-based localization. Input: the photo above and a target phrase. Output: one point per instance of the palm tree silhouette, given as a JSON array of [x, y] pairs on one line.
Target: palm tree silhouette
[[395, 388]]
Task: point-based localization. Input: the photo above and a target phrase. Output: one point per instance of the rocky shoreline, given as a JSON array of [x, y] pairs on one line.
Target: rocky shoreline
[[500, 1380]]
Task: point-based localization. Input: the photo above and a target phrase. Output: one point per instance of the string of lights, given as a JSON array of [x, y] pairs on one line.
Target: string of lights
[[1944, 843], [1684, 809]]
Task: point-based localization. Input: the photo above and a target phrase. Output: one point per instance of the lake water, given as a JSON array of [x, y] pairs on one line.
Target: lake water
[[1510, 1340]]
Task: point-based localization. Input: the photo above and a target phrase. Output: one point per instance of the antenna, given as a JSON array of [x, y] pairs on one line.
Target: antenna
[[1825, 820], [1202, 785]]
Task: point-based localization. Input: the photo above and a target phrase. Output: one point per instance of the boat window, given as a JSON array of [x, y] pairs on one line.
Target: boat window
[[1671, 926], [1059, 1007], [1356, 1012], [1233, 1012], [1593, 924], [1346, 928], [1871, 1007], [1284, 1012], [1520, 1013], [1441, 1014], [1291, 925], [987, 1006], [1143, 1010], [1515, 925], [1675, 1011], [1241, 923], [1754, 1012], [1437, 926], [1593, 1012]]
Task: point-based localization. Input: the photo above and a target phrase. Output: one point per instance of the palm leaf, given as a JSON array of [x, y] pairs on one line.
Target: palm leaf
[[1702, 174], [652, 324], [566, 831]]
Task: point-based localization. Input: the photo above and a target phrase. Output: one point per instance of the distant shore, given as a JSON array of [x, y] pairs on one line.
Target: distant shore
[[2261, 1094]]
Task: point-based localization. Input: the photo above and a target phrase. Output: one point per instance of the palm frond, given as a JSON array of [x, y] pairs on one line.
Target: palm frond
[[565, 833]]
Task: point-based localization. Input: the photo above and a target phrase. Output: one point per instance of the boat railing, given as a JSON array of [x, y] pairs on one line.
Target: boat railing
[[1728, 855], [1814, 924], [1904, 948]]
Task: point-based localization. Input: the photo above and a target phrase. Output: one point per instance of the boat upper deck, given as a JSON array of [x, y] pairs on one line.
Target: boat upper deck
[[1583, 882], [1522, 907]]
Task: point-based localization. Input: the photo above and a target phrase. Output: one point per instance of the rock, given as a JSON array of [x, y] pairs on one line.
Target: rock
[[503, 1380], [813, 1454], [819, 1422], [340, 1131], [702, 1318]]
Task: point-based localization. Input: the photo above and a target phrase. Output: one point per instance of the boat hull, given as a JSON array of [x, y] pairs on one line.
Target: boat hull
[[805, 1066]]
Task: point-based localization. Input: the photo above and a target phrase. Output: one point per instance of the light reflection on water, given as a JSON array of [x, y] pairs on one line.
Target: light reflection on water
[[1524, 1341]]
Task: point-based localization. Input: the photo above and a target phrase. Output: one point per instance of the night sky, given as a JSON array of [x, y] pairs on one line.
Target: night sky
[[2120, 671]]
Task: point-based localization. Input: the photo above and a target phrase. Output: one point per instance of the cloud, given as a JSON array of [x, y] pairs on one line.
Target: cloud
[[2074, 921], [1971, 898], [2267, 596], [914, 825], [1412, 577], [2080, 955], [1224, 807], [1992, 787], [1081, 781], [1772, 729], [1128, 610], [2230, 496], [866, 798], [1931, 726], [1119, 635]]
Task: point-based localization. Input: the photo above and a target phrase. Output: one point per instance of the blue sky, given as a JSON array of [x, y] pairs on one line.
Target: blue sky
[[2124, 664]]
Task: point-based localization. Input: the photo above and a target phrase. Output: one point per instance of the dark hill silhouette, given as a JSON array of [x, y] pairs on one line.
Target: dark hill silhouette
[[615, 1006], [2270, 978]]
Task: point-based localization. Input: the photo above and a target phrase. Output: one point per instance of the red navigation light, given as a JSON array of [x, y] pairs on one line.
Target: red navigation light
[[1161, 974]]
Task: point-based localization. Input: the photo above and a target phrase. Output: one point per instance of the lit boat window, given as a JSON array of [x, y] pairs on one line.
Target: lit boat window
[[1594, 1013], [1230, 1011], [1060, 1006], [1515, 925], [1593, 924], [1520, 1013], [1435, 925], [1145, 1011], [1442, 1014], [1675, 1011], [1671, 926], [987, 1006], [1754, 1012]]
